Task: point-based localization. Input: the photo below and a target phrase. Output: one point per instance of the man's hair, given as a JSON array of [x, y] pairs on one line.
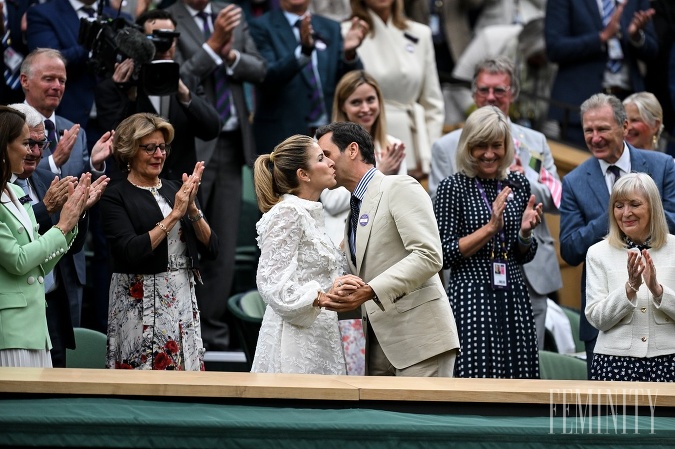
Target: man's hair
[[27, 65], [345, 133], [601, 100], [155, 14], [496, 66]]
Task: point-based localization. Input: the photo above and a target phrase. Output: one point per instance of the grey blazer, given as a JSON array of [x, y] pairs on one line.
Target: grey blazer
[[196, 61]]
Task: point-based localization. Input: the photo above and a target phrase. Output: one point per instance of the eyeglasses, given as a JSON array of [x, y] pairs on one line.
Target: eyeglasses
[[499, 92], [41, 144], [150, 148]]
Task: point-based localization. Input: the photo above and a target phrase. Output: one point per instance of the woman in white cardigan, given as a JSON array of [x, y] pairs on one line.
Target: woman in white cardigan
[[358, 99], [399, 54], [633, 307]]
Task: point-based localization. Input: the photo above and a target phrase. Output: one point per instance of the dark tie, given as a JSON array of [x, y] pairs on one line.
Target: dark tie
[[616, 171], [49, 277], [222, 89], [88, 10], [315, 102], [355, 205], [51, 136], [12, 77]]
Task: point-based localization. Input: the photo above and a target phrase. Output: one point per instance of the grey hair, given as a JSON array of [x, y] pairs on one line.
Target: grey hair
[[601, 100], [497, 65], [33, 117]]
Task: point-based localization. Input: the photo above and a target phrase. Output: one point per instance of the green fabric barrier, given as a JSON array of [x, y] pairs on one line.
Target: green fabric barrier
[[109, 422]]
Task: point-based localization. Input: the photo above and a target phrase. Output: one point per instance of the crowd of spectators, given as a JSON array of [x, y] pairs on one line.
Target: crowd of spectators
[[236, 79]]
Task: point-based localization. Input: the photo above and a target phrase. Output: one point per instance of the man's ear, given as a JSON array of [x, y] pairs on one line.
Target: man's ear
[[353, 150]]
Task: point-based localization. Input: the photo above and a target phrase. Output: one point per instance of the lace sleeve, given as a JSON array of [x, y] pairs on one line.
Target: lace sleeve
[[279, 274]]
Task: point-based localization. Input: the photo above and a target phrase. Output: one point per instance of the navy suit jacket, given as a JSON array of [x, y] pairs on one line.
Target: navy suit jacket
[[71, 268], [55, 25], [78, 162], [15, 10], [572, 29], [584, 210], [283, 98]]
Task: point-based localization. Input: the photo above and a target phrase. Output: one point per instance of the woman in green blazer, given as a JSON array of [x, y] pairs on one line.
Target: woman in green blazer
[[26, 256]]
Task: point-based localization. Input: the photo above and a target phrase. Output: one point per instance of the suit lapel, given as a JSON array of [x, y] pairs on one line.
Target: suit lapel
[[597, 184], [594, 11], [637, 162], [369, 206], [21, 216]]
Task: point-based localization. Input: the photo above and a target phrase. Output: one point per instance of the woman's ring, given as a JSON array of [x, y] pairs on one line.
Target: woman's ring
[[339, 283]]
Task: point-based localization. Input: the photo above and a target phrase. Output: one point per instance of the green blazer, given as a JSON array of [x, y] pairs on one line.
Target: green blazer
[[25, 257]]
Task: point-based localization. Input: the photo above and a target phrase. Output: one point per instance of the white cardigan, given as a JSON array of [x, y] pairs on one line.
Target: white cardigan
[[640, 329]]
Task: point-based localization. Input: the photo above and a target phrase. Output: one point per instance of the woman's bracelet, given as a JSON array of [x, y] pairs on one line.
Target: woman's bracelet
[[197, 217], [59, 228], [631, 286], [162, 227], [317, 300], [524, 241]]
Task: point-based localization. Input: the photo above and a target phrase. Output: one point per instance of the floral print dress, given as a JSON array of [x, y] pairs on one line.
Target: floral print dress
[[153, 319]]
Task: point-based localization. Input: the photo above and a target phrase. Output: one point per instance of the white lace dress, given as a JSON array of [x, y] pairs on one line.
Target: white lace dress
[[297, 260]]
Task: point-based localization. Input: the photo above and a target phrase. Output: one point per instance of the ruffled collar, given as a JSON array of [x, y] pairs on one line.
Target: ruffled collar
[[631, 244]]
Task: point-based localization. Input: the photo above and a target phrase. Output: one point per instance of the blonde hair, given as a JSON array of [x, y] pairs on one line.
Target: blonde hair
[[276, 174], [347, 85], [641, 184], [132, 129], [360, 10], [484, 126], [649, 108]]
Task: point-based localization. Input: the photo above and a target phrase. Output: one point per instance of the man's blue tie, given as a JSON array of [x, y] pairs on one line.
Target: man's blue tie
[[614, 65], [49, 277], [355, 205], [222, 89]]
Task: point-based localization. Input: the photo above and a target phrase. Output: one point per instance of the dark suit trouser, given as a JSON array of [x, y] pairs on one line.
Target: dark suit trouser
[[222, 192], [59, 325]]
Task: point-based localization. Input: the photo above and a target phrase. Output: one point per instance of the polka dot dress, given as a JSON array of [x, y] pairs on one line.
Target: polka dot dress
[[633, 369], [496, 327]]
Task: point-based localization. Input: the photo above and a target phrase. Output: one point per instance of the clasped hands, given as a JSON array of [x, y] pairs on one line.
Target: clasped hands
[[347, 293]]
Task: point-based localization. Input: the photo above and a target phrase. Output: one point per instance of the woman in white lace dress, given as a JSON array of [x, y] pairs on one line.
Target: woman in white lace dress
[[298, 263]]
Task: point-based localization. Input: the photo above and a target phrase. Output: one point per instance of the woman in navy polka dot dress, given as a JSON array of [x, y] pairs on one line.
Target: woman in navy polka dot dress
[[486, 215]]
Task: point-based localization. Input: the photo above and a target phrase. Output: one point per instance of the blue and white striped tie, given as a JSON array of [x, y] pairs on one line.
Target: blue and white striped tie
[[614, 65]]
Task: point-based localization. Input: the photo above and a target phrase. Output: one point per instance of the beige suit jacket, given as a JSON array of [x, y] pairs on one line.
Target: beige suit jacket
[[398, 253]]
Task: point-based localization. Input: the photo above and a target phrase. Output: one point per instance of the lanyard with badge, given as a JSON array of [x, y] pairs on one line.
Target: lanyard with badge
[[498, 272]]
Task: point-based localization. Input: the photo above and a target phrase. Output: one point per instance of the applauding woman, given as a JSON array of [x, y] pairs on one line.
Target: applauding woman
[[486, 216], [633, 306], [156, 234], [25, 255]]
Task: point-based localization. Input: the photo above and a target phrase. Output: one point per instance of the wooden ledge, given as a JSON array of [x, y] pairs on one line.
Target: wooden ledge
[[337, 388]]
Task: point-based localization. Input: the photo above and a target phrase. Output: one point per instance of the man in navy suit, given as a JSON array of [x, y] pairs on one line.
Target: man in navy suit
[[56, 24], [302, 51], [594, 56], [13, 12], [64, 291], [584, 216]]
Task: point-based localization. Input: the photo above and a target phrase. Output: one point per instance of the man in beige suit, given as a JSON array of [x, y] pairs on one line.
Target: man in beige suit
[[392, 243]]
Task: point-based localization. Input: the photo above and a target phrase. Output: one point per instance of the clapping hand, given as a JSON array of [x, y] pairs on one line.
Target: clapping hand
[[57, 193], [532, 216]]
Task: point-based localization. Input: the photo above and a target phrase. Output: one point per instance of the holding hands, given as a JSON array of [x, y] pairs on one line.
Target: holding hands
[[343, 294]]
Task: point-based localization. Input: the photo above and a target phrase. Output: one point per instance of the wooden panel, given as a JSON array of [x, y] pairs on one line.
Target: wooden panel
[[329, 388], [174, 383]]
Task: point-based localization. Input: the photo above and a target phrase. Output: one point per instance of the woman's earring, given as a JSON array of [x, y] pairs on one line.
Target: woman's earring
[[128, 166], [655, 142]]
